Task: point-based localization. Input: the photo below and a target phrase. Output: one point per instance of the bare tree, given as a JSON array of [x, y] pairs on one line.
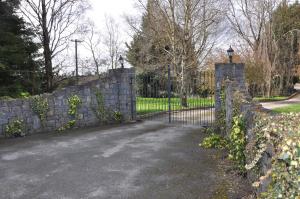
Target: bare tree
[[191, 28], [252, 21], [55, 21], [92, 42], [112, 41]]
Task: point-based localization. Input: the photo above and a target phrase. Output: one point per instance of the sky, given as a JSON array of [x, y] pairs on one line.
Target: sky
[[114, 8], [100, 9]]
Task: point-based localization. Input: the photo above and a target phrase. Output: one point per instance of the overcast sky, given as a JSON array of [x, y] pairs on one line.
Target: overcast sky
[[115, 8]]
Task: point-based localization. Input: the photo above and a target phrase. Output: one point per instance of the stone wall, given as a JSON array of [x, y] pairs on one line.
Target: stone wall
[[248, 109], [116, 86]]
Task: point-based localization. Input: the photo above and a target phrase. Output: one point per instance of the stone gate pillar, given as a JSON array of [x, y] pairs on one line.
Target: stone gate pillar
[[227, 71]]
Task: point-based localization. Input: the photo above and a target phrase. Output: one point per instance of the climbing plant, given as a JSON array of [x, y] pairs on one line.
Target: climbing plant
[[237, 143], [117, 116], [74, 103], [101, 112], [40, 107], [282, 134]]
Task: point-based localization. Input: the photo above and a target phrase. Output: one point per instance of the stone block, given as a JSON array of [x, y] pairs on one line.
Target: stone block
[[36, 123]]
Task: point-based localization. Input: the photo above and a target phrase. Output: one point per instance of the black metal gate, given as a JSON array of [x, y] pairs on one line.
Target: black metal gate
[[165, 95]]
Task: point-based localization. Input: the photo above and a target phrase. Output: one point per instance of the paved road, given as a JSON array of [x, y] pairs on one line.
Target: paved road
[[198, 117], [279, 104], [142, 160]]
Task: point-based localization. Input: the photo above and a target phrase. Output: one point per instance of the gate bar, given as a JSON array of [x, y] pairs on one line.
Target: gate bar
[[169, 92]]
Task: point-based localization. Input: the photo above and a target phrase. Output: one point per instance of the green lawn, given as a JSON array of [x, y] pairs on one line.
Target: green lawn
[[153, 105], [295, 108], [270, 99]]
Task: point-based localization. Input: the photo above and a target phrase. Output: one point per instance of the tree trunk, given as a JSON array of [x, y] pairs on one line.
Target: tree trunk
[[47, 51]]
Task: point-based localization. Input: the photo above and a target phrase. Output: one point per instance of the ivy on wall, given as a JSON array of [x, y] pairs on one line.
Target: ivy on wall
[[105, 114], [74, 103], [235, 142], [282, 133], [40, 107], [100, 111]]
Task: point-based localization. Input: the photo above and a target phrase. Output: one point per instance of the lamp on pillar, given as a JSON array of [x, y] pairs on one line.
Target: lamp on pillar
[[230, 53], [121, 61]]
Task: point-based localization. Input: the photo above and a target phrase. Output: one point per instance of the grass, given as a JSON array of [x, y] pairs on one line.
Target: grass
[[153, 105], [295, 108], [270, 99]]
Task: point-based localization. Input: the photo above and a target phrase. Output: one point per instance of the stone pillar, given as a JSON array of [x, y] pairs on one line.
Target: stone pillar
[[229, 90], [125, 91], [231, 71]]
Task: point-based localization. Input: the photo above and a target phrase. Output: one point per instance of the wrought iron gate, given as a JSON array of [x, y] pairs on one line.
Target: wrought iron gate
[[163, 95]]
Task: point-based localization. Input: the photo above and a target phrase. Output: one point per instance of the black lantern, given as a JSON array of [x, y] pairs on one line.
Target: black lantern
[[230, 53], [121, 61]]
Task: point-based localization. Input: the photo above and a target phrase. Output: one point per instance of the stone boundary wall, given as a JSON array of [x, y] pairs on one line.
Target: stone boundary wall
[[231, 78], [116, 87], [248, 109]]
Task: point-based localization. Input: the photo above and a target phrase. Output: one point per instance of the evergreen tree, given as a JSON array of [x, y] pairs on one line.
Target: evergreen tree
[[147, 50], [19, 70]]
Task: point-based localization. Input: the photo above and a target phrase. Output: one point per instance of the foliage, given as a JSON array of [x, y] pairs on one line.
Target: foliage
[[117, 116], [221, 120], [214, 141], [6, 98], [101, 112], [74, 103], [16, 128], [237, 143], [25, 95], [286, 28], [18, 53], [283, 133], [67, 126], [146, 51], [40, 106]]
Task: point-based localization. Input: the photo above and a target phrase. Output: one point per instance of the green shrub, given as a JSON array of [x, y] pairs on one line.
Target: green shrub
[[214, 141], [15, 128]]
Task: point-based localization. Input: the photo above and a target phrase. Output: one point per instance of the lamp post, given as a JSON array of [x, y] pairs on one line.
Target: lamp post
[[121, 61], [76, 41], [230, 53]]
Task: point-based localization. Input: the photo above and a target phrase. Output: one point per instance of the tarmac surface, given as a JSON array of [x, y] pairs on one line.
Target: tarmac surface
[[141, 160]]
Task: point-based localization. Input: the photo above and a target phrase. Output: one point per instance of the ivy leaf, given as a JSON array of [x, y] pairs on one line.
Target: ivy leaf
[[284, 157]]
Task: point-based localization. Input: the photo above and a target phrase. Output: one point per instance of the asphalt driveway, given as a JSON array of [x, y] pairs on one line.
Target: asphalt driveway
[[143, 160], [279, 104]]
